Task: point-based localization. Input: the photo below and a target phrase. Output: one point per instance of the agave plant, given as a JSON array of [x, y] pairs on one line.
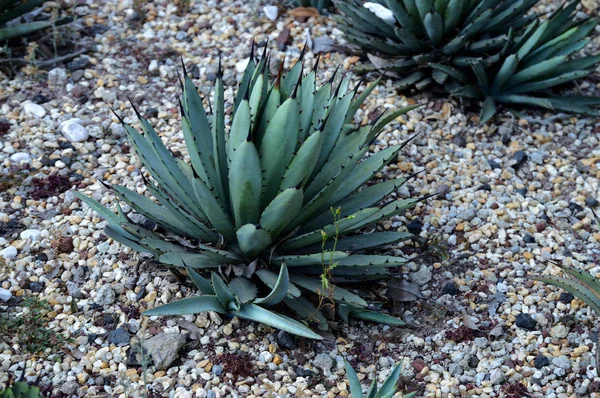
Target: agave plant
[[318, 4], [252, 206], [493, 51], [387, 389], [11, 12], [21, 389]]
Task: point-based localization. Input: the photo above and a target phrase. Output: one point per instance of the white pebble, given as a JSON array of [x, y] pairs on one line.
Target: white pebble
[[20, 157], [240, 66], [271, 12], [74, 132], [32, 234], [5, 295], [34, 109], [9, 253]]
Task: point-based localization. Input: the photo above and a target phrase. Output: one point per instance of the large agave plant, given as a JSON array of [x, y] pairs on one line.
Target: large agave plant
[[252, 207], [11, 12], [21, 389], [492, 50]]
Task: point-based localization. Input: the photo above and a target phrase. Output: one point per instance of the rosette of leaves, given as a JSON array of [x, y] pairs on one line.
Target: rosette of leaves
[[387, 390], [11, 12], [247, 216], [494, 51]]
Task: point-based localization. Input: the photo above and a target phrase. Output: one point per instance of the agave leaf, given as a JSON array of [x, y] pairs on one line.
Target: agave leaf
[[271, 279], [279, 291], [290, 79], [193, 260], [243, 288], [506, 72], [377, 317], [488, 110], [454, 12], [120, 235], [390, 386], [477, 25], [388, 118], [253, 240], [363, 260], [281, 211], [196, 131], [258, 314], [201, 283], [535, 72], [244, 87], [434, 27], [482, 78], [523, 100], [340, 295], [225, 296], [306, 310], [357, 103], [306, 102], [188, 306], [304, 162], [548, 83], [367, 241], [455, 73], [217, 216], [424, 7], [402, 16], [245, 184], [309, 259], [355, 387], [532, 41], [277, 148], [585, 278], [372, 393], [240, 128]]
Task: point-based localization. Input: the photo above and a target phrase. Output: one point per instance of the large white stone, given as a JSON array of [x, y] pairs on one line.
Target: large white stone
[[74, 132], [34, 109], [32, 234], [20, 157], [5, 295], [9, 253], [271, 12], [381, 12]]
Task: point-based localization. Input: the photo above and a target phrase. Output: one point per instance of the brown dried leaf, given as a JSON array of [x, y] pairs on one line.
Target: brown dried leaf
[[400, 290], [306, 12]]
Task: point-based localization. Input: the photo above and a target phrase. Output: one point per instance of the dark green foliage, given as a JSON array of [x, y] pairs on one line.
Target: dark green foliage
[[318, 4], [30, 327], [13, 10], [252, 208], [21, 389], [495, 51]]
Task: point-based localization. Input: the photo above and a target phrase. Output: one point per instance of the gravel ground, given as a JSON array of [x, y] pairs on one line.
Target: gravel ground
[[516, 195]]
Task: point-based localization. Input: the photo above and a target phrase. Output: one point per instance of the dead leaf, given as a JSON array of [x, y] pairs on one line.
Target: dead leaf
[[306, 12], [400, 290], [283, 39], [498, 330], [195, 331], [470, 322]]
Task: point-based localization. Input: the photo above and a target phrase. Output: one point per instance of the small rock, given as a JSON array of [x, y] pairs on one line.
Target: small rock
[[271, 12], [591, 202], [566, 298], [538, 157], [37, 287], [284, 340], [105, 296], [240, 66], [324, 362], [9, 253], [40, 99], [527, 238], [57, 76], [422, 276], [20, 157], [153, 67], [73, 289], [562, 362], [5, 295], [69, 388], [540, 361], [518, 159], [473, 361], [74, 132], [34, 109], [460, 141], [415, 226], [496, 377], [119, 337], [451, 289], [163, 348], [559, 331], [525, 321], [76, 76], [493, 164], [32, 234], [521, 191], [217, 370]]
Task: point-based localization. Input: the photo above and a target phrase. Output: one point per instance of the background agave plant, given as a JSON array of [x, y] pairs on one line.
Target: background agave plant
[[253, 207], [494, 51], [318, 4], [387, 390], [21, 389], [11, 12]]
